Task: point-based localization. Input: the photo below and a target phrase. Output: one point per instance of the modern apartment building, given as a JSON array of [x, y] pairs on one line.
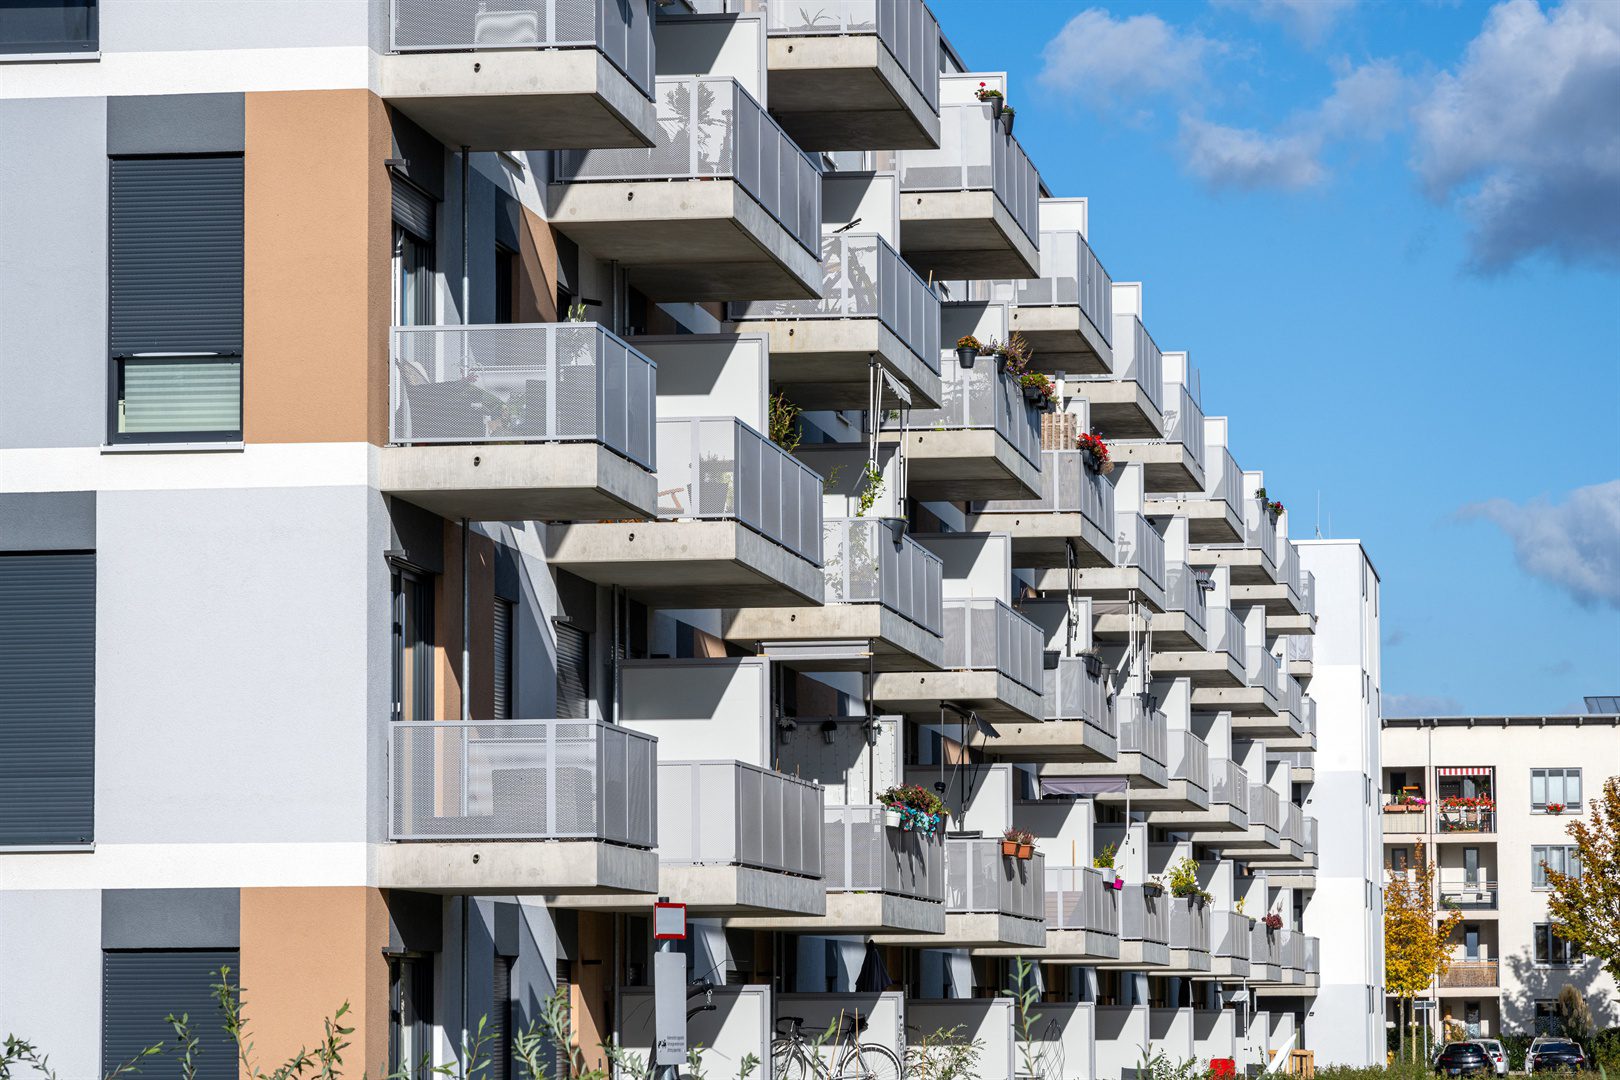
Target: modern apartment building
[[1490, 799], [413, 564]]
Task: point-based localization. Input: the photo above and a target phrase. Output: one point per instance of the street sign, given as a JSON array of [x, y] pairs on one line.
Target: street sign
[[669, 1006], [669, 922]]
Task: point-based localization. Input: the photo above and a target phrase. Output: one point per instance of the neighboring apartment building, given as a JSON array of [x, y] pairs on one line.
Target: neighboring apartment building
[[400, 587], [1490, 798]]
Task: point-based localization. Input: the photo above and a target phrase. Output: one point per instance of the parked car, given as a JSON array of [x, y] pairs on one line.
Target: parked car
[[1464, 1059], [1497, 1053], [1548, 1054]]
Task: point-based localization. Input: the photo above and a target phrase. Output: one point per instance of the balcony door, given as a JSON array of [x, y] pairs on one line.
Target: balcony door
[[412, 646]]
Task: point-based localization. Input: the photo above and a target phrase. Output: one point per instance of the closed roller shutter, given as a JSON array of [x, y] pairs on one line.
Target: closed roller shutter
[[47, 699], [413, 209], [573, 672], [503, 660], [140, 988]]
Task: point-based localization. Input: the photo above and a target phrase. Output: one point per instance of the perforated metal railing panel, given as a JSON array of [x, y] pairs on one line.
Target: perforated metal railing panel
[[1231, 786], [1265, 806], [1137, 543], [863, 854], [1073, 693], [1234, 939], [986, 635], [740, 814], [1192, 760], [976, 154], [1189, 924], [1078, 899]]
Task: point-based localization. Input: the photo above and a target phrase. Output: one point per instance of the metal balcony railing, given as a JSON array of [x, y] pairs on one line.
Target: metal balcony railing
[[521, 382], [1230, 785], [1077, 898], [1265, 806], [522, 780], [1224, 480], [1184, 420], [980, 879], [906, 27], [864, 565], [864, 278], [976, 154], [732, 813], [1470, 973], [1291, 949], [1139, 362], [1143, 917], [1189, 924], [1073, 693], [1260, 530], [1307, 591], [1300, 647], [1313, 955], [1182, 593], [1308, 833], [1290, 696], [1191, 759], [1293, 824], [862, 854], [719, 467], [1263, 672], [1140, 731], [984, 397], [1452, 815], [986, 635], [1265, 946], [1068, 486], [1288, 565], [620, 30], [1071, 275], [1231, 937], [1307, 713], [710, 128], [1138, 544], [1479, 895], [1232, 638]]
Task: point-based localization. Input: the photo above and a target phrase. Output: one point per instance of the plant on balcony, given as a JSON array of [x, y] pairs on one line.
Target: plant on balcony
[[1556, 808], [1094, 661], [871, 490], [1018, 843], [1038, 388], [1184, 881], [1097, 457], [1013, 354], [993, 98], [783, 421], [1007, 114], [1153, 886], [968, 349], [1273, 921], [1276, 509], [920, 810], [946, 1054]]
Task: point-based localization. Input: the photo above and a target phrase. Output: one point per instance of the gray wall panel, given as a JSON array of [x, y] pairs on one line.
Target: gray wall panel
[[53, 273], [48, 521], [176, 124], [184, 25], [171, 919]]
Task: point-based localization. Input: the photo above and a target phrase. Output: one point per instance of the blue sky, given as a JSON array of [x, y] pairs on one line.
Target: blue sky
[[1389, 236]]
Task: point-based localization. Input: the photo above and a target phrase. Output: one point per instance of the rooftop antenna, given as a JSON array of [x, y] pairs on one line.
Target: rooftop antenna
[[1319, 515]]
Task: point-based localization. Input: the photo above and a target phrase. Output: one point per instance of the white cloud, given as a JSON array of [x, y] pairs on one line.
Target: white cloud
[[1524, 134], [1367, 102], [1420, 705], [1574, 545], [1308, 20], [1227, 157], [1111, 63]]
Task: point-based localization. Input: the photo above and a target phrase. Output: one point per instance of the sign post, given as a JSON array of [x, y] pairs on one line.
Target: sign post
[[670, 980]]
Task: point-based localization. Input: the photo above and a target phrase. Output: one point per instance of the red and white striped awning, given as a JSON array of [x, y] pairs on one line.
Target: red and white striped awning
[[1464, 770]]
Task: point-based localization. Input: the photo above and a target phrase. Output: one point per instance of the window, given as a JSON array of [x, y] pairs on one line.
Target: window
[[139, 987], [413, 279], [175, 310], [48, 26], [1563, 858], [503, 660], [47, 699], [506, 279], [573, 671], [501, 1028], [1554, 950], [1400, 859], [1555, 786], [1471, 866], [1547, 1022], [410, 1017], [413, 646]]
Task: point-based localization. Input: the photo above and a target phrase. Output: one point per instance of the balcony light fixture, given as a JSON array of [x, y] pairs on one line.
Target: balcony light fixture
[[829, 732]]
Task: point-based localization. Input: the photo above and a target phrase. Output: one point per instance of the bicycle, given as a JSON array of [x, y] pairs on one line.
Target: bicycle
[[794, 1057]]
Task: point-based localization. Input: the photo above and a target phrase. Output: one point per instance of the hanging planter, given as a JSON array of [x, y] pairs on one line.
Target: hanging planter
[[967, 351], [1118, 884], [1096, 453], [1018, 844], [1026, 851], [893, 818], [1009, 848], [1094, 664], [1007, 114], [994, 99]]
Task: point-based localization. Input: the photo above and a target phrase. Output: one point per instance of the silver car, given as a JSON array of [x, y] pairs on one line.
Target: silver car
[[1498, 1055]]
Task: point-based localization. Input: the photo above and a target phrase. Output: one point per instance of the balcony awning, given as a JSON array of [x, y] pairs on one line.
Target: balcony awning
[[1083, 785], [1464, 770]]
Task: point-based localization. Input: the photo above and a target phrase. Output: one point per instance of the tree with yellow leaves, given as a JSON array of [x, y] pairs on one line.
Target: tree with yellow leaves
[[1417, 949], [1586, 907]]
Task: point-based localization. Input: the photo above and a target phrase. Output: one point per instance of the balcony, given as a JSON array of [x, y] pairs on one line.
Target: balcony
[[1299, 708], [1405, 819], [723, 205], [970, 209], [1476, 896], [1456, 815], [1144, 928], [1214, 517], [1139, 570], [983, 442], [529, 76], [882, 590], [1262, 840], [1073, 513], [1312, 970], [1144, 754], [1189, 934], [855, 74], [1471, 975], [1067, 313], [873, 307], [1255, 706], [992, 666], [498, 423], [735, 838], [992, 899], [739, 526], [1078, 718], [520, 806], [1284, 599], [1129, 404], [1175, 463], [1183, 625], [1253, 561], [1220, 665], [1265, 954], [1232, 940], [1301, 653], [1082, 916]]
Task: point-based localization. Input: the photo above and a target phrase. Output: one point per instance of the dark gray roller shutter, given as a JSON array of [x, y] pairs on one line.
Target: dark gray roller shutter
[[413, 209], [140, 988], [47, 698], [177, 255], [500, 1021], [573, 672], [503, 660]]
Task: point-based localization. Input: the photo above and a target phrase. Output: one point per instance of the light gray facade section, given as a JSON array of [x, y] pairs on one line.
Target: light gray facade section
[[53, 273], [188, 26], [176, 124], [171, 919], [48, 521], [50, 974]]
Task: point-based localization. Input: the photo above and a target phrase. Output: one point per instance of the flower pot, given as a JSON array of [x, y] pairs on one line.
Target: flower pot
[[1118, 884], [1007, 119], [1010, 848], [1026, 851], [1033, 394], [996, 103], [965, 358], [1093, 666], [1153, 890], [893, 819], [1093, 461]]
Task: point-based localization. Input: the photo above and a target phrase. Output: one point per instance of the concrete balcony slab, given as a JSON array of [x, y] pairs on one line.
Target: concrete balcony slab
[[991, 694], [860, 913], [1064, 338], [1247, 702], [741, 890], [1296, 625], [1064, 947], [964, 235], [1203, 669], [507, 482], [1167, 467], [955, 464], [1171, 630], [846, 92], [1121, 409], [976, 929], [826, 363], [1249, 566], [1277, 599], [886, 640], [551, 867], [1052, 740], [1107, 584], [1041, 538], [1209, 521], [687, 563]]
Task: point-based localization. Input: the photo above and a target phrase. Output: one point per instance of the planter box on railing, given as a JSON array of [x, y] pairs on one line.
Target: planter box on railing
[[522, 780], [986, 635], [860, 853], [522, 382], [980, 879], [733, 813], [719, 467], [863, 565]]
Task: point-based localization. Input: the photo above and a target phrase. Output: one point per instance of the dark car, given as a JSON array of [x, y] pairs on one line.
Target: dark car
[[1555, 1055], [1464, 1059]]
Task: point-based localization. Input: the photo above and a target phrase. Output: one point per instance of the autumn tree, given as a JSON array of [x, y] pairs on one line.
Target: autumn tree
[[1417, 949], [1586, 905]]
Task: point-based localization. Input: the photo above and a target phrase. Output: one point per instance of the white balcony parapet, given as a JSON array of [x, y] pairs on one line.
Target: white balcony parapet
[[862, 854], [522, 780], [1226, 480], [1184, 419], [1138, 359], [984, 634], [1263, 670], [1259, 529], [906, 27], [1073, 693], [1307, 592], [1293, 827], [522, 383], [1232, 640], [1231, 936], [1078, 899], [1183, 593], [1288, 565], [1143, 917], [1138, 544], [719, 467], [979, 879], [1189, 924], [1068, 486], [1071, 274], [1142, 732], [1300, 647], [984, 397], [1265, 806], [1265, 945], [734, 813], [1231, 785], [1291, 694], [975, 154], [608, 26], [864, 565], [864, 278], [711, 128], [1191, 760]]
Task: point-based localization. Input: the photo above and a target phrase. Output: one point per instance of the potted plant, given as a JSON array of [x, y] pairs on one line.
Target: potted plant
[[1038, 389], [1276, 509], [1105, 861], [1026, 845], [1555, 808], [1238, 907], [1273, 922], [1153, 886], [968, 349], [1096, 453], [994, 99], [913, 808], [1009, 842], [1184, 880], [1093, 659], [1007, 114]]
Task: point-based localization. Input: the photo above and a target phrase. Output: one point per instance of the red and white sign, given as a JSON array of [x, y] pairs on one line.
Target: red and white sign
[[669, 922]]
